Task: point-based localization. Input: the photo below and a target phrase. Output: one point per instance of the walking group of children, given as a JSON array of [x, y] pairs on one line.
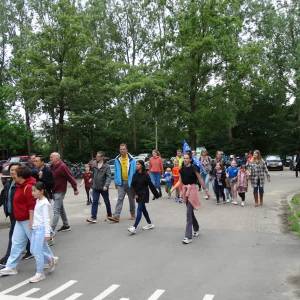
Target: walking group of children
[[230, 182]]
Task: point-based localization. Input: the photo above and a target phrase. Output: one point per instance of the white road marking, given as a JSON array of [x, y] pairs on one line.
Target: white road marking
[[14, 287], [74, 296], [30, 292], [107, 292], [58, 290], [209, 297], [124, 299], [156, 294]]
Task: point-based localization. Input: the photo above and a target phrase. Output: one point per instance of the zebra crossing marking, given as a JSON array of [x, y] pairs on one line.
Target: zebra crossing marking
[[24, 296], [156, 294], [15, 287], [29, 292], [107, 292], [74, 296], [58, 290]]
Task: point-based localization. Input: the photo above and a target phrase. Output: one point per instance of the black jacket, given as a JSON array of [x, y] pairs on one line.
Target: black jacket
[[4, 197], [141, 183], [223, 177], [101, 177]]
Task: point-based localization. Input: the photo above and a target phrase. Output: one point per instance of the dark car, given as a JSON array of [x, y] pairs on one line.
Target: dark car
[[2, 163], [274, 162], [288, 160], [23, 159]]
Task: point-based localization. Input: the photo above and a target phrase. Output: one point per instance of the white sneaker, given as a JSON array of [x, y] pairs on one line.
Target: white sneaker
[[55, 259], [228, 200], [186, 240], [37, 277], [234, 202], [206, 197], [132, 230], [243, 203], [7, 272], [148, 226], [196, 234]]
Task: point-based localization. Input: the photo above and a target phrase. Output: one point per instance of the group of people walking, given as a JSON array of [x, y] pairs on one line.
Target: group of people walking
[[33, 198]]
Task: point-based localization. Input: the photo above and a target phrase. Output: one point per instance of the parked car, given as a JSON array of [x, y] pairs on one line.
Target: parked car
[[146, 156], [274, 162], [293, 163], [2, 162], [139, 157], [288, 160], [111, 163], [23, 159]]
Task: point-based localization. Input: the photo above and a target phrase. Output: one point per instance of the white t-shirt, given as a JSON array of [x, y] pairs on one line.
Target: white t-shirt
[[42, 215]]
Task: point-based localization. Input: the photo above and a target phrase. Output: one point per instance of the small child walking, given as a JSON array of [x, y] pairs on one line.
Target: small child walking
[[232, 173], [242, 183], [168, 177], [87, 181], [175, 174], [220, 182], [41, 233]]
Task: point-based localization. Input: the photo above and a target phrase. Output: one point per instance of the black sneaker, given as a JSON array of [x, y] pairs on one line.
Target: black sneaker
[[64, 228], [27, 256], [3, 262]]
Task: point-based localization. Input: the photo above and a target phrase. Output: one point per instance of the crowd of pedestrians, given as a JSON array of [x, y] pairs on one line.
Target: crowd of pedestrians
[[33, 196]]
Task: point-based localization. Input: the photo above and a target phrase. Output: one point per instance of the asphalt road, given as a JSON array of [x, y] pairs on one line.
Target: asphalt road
[[241, 254]]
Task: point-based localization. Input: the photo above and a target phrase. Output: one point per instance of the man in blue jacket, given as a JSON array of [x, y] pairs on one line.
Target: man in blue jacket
[[125, 167]]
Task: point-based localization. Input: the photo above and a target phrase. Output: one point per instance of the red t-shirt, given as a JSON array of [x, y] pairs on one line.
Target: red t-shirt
[[23, 200], [86, 177]]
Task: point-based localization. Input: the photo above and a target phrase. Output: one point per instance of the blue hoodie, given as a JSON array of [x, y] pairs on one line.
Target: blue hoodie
[[118, 170]]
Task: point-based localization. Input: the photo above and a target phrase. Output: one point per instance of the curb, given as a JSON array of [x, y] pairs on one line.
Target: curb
[[293, 211]]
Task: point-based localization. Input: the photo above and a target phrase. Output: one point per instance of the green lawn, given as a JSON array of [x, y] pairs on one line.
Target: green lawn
[[294, 218]]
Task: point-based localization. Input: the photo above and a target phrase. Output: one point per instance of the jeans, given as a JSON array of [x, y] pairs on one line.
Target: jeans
[[155, 178], [59, 210], [122, 191], [191, 221], [88, 195], [96, 196], [141, 210], [19, 241], [40, 249], [233, 188], [206, 180], [258, 188], [219, 190]]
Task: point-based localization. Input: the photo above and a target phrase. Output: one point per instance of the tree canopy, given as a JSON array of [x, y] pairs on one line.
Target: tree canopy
[[79, 76]]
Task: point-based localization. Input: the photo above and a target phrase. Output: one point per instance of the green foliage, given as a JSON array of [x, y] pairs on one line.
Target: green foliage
[[224, 74]]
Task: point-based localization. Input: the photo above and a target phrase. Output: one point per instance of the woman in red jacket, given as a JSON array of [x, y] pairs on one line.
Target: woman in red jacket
[[23, 206], [156, 169]]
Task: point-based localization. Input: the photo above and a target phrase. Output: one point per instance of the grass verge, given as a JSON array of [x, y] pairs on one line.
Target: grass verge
[[294, 218]]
